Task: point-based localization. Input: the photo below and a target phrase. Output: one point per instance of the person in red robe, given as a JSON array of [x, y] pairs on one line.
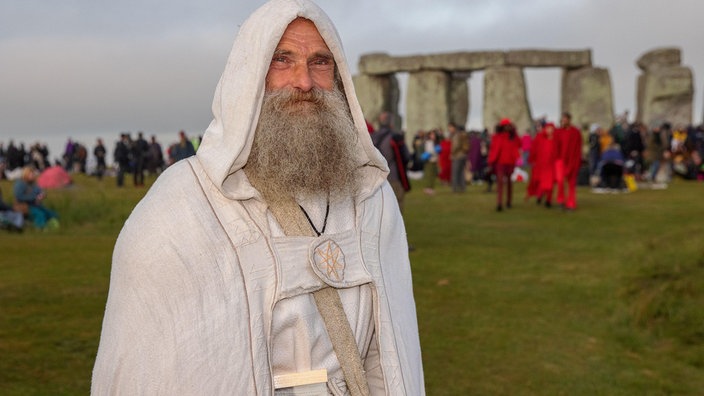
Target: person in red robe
[[444, 160], [542, 159], [568, 142], [503, 154], [532, 187]]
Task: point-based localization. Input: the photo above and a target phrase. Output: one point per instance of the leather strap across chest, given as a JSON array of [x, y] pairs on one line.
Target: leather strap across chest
[[294, 222]]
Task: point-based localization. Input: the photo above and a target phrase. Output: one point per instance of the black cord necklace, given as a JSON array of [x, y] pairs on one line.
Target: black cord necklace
[[325, 222]]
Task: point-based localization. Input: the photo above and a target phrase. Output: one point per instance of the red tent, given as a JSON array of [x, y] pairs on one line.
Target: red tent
[[54, 177]]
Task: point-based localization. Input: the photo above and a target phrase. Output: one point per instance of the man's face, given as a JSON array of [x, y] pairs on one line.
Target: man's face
[[301, 60], [565, 121]]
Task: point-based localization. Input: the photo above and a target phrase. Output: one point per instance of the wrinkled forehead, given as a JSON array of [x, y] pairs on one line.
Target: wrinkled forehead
[[302, 32]]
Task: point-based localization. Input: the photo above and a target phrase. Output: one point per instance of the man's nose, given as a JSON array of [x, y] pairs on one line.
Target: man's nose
[[302, 78]]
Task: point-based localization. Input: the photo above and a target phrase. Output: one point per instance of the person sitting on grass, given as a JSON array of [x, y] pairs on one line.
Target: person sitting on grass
[[611, 168], [28, 200], [9, 218]]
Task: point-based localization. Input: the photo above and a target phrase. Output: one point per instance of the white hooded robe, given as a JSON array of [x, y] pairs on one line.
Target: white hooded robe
[[201, 265]]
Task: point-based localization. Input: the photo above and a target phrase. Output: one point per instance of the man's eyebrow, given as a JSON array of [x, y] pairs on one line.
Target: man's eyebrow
[[279, 52], [323, 54]]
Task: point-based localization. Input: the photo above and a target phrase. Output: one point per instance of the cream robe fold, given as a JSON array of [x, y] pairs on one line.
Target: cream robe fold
[[194, 277]]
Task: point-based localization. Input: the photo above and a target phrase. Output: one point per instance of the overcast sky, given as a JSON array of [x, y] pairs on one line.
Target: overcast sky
[[84, 68]]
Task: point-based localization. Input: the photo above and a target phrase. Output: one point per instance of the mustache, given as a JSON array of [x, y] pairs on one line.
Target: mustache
[[283, 98]]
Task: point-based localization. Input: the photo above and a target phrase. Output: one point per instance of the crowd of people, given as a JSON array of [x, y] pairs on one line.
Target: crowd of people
[[558, 158], [458, 157], [555, 158], [24, 165], [130, 155], [16, 156], [643, 154]]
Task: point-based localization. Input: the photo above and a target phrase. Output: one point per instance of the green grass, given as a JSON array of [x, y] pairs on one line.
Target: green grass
[[607, 300]]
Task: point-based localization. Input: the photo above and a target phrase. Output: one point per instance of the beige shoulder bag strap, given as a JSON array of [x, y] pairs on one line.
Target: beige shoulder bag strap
[[293, 222]]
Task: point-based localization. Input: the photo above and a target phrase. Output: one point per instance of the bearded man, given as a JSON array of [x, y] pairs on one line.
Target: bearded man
[[274, 261]]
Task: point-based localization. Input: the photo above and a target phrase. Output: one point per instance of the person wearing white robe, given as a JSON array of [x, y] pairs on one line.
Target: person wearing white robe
[[209, 295]]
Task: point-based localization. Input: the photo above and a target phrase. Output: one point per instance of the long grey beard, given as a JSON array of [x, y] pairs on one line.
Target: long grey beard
[[303, 145]]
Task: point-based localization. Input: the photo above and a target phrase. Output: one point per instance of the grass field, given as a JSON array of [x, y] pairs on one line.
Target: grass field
[[607, 300]]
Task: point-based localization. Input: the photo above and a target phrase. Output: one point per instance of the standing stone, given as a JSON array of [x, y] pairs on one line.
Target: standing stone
[[377, 93], [437, 95], [505, 96], [665, 89], [587, 95], [666, 94], [427, 101], [459, 98]]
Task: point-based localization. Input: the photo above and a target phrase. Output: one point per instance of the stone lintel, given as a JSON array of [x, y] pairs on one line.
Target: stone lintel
[[468, 61], [659, 58], [464, 61], [381, 63], [549, 58]]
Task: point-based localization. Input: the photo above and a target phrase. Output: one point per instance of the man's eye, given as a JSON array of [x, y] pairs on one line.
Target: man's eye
[[279, 62], [322, 63]]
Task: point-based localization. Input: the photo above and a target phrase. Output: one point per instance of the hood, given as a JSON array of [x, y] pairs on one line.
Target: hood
[[238, 98]]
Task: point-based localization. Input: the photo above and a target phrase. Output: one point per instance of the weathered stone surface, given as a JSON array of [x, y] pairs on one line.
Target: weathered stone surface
[[381, 63], [464, 61], [505, 96], [377, 94], [587, 95], [665, 91], [459, 100], [659, 58], [667, 95], [549, 58], [427, 104], [640, 96]]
